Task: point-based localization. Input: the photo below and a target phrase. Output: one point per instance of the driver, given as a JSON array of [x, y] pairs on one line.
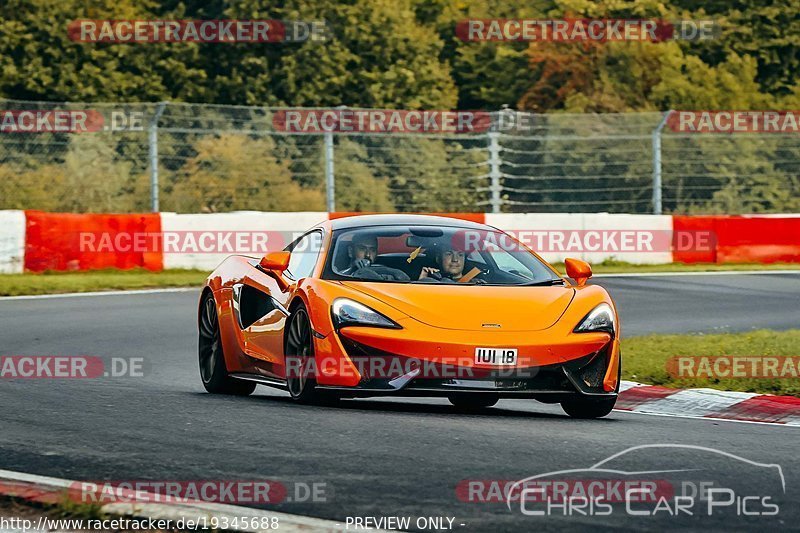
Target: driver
[[451, 264], [363, 251]]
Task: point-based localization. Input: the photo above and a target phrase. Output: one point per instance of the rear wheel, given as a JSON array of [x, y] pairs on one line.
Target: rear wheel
[[473, 402], [213, 371], [300, 362], [583, 407]]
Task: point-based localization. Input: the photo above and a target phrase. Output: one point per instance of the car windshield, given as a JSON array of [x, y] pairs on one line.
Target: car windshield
[[436, 255]]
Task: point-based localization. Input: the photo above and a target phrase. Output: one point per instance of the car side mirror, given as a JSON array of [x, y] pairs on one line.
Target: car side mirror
[[275, 261], [578, 270]]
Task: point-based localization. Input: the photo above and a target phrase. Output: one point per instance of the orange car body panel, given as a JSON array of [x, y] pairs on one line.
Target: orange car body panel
[[440, 323]]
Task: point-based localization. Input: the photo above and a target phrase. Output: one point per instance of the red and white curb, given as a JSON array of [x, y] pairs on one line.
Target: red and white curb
[[709, 403], [43, 489]]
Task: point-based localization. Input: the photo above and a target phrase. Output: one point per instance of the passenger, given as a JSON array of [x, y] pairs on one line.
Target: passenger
[[363, 251]]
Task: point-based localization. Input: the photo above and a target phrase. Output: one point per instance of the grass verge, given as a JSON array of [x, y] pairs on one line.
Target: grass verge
[[97, 280], [645, 359]]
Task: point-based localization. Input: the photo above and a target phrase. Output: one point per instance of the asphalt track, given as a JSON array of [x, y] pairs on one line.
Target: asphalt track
[[380, 457]]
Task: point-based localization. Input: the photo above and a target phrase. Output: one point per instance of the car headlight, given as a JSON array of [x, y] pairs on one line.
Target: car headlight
[[346, 312], [601, 318]]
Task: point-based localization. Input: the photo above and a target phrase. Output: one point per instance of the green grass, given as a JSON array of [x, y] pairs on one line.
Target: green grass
[[645, 359], [97, 280], [620, 267], [68, 508]]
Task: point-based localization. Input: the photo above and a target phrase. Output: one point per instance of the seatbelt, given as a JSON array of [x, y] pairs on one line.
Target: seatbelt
[[466, 278]]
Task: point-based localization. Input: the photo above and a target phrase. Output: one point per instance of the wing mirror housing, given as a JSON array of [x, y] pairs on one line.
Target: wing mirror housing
[[275, 264], [578, 270], [275, 261]]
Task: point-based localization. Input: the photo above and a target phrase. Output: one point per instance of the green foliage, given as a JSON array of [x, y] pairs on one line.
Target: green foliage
[[234, 171], [52, 282], [647, 358], [356, 187]]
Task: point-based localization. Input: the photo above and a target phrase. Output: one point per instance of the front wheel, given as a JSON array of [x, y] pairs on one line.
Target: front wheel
[[473, 402], [213, 371], [583, 407], [300, 362]]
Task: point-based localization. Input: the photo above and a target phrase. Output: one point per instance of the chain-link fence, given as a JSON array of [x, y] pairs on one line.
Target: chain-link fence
[[207, 158]]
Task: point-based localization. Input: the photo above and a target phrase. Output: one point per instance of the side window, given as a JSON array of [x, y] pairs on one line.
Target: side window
[[475, 257], [508, 262], [304, 255]]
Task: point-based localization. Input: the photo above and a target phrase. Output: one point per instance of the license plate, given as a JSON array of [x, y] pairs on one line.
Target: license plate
[[496, 356]]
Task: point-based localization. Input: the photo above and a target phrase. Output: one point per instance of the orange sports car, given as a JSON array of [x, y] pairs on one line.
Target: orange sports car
[[410, 305]]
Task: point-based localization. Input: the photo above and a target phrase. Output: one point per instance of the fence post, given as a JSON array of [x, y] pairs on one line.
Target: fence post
[[330, 182], [657, 186], [152, 143], [494, 170]]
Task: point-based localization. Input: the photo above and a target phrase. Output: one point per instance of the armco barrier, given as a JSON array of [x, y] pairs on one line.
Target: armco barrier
[[38, 241]]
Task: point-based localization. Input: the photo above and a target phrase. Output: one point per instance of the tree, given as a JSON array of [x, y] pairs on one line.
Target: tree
[[235, 171], [38, 61]]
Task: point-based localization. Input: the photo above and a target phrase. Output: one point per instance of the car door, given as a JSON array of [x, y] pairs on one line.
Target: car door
[[261, 303]]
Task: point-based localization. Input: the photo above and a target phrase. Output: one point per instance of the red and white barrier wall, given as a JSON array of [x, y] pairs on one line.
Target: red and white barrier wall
[[241, 221], [36, 241], [579, 224], [12, 241]]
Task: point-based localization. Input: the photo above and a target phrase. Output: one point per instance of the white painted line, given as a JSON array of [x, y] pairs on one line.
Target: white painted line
[[701, 273], [233, 514], [99, 293]]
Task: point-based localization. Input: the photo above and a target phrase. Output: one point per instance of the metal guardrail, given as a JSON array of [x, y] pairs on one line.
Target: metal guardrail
[[207, 158]]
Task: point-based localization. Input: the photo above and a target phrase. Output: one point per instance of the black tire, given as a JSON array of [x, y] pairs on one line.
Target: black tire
[[300, 362], [473, 402], [588, 407], [582, 407], [213, 372]]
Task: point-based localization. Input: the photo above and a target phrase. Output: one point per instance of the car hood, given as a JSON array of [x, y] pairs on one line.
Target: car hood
[[472, 307]]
